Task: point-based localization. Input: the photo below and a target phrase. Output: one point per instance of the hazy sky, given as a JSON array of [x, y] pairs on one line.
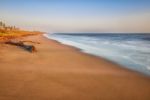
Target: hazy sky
[[78, 15]]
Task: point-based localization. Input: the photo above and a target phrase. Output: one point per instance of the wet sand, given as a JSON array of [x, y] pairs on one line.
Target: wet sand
[[59, 72]]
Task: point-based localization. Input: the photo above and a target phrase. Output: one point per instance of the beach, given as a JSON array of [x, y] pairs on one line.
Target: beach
[[60, 72]]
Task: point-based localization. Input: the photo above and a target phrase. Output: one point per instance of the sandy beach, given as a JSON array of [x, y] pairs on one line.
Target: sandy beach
[[60, 72]]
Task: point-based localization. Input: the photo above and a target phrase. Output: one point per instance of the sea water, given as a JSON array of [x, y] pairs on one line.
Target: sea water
[[130, 50]]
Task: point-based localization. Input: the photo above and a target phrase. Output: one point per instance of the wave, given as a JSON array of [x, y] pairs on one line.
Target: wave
[[132, 53]]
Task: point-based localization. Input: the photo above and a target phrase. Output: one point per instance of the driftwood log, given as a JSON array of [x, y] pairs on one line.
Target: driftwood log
[[30, 48]]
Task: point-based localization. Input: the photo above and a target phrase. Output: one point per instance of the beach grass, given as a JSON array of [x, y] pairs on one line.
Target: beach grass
[[16, 34]]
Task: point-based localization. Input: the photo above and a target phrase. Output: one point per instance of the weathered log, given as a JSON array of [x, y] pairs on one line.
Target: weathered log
[[30, 48]]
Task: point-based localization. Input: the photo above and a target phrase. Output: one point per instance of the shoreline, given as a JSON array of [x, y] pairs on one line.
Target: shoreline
[[99, 57], [57, 71]]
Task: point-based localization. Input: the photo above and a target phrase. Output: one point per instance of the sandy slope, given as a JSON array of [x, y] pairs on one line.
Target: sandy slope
[[58, 72]]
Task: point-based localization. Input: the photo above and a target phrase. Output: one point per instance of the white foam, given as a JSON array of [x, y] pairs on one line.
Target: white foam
[[134, 54], [148, 67]]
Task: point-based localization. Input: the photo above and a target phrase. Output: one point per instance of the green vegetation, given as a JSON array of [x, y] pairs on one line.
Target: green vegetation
[[7, 30], [11, 32]]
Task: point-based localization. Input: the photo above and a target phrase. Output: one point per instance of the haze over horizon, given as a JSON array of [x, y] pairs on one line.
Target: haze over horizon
[[98, 16]]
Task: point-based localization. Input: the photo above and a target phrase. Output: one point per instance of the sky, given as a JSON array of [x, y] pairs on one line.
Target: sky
[[65, 16]]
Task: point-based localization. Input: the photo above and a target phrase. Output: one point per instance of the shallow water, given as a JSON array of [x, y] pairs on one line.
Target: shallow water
[[129, 50]]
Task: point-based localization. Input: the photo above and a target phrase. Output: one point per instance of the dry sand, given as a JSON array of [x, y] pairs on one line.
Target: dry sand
[[59, 72]]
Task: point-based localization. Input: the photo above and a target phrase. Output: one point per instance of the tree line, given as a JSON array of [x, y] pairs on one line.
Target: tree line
[[5, 28]]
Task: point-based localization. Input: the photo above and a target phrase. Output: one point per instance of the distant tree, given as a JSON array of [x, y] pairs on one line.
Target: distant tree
[[4, 28], [1, 23], [1, 26], [14, 27], [11, 28]]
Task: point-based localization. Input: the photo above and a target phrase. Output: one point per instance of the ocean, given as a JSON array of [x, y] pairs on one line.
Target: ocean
[[130, 50]]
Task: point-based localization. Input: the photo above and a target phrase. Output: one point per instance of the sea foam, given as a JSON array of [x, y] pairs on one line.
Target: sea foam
[[131, 51]]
